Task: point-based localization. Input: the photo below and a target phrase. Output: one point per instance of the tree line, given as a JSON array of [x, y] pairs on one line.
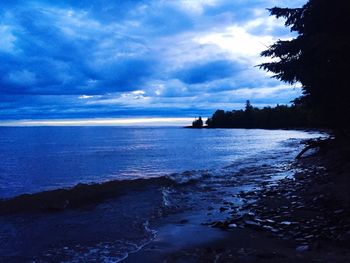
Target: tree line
[[281, 116]]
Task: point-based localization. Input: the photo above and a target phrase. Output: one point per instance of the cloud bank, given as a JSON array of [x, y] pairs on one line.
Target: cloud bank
[[121, 58]]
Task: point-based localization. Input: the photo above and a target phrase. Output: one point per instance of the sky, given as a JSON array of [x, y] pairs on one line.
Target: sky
[[137, 58]]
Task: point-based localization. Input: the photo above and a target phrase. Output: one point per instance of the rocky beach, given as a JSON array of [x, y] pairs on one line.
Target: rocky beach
[[303, 218]]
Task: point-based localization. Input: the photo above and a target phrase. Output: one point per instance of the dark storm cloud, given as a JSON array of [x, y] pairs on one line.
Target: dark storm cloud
[[128, 55], [208, 71]]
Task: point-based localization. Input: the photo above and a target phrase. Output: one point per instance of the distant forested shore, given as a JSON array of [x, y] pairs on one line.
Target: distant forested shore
[[279, 117]]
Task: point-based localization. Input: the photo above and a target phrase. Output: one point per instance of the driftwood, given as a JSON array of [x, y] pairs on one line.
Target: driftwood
[[312, 144]]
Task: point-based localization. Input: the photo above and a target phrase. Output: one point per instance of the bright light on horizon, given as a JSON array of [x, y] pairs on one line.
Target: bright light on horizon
[[102, 122]]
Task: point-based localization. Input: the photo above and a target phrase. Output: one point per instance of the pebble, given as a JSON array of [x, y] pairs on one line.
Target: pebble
[[287, 223], [302, 249], [282, 221], [251, 223], [270, 228]]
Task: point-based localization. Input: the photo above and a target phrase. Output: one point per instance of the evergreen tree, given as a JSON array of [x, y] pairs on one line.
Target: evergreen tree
[[248, 107], [318, 58], [198, 123], [281, 116]]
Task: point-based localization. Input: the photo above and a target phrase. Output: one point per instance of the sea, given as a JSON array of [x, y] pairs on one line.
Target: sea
[[207, 167]]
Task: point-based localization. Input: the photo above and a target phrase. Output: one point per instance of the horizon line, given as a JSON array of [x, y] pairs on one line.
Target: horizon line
[[151, 121]]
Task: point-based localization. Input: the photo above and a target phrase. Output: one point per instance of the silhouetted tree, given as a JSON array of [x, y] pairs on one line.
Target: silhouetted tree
[[281, 116], [318, 58], [218, 119], [248, 107], [248, 115], [198, 123]]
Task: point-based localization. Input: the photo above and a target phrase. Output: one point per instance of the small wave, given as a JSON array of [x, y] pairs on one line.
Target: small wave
[[84, 194], [166, 191], [189, 177], [106, 252]]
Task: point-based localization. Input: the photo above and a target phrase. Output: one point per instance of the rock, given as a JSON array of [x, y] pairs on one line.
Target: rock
[[270, 228], [302, 249], [232, 225], [251, 223], [345, 238], [242, 251], [286, 223], [219, 224]]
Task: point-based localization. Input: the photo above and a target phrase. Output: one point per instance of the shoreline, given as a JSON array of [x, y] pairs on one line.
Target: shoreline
[[305, 218], [306, 129], [250, 214]]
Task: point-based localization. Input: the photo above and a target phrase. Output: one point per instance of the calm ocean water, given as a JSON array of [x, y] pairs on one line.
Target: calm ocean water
[[208, 168], [33, 159]]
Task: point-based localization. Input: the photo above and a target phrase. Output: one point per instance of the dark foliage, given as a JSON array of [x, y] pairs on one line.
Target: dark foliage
[[318, 58], [198, 123], [281, 116]]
